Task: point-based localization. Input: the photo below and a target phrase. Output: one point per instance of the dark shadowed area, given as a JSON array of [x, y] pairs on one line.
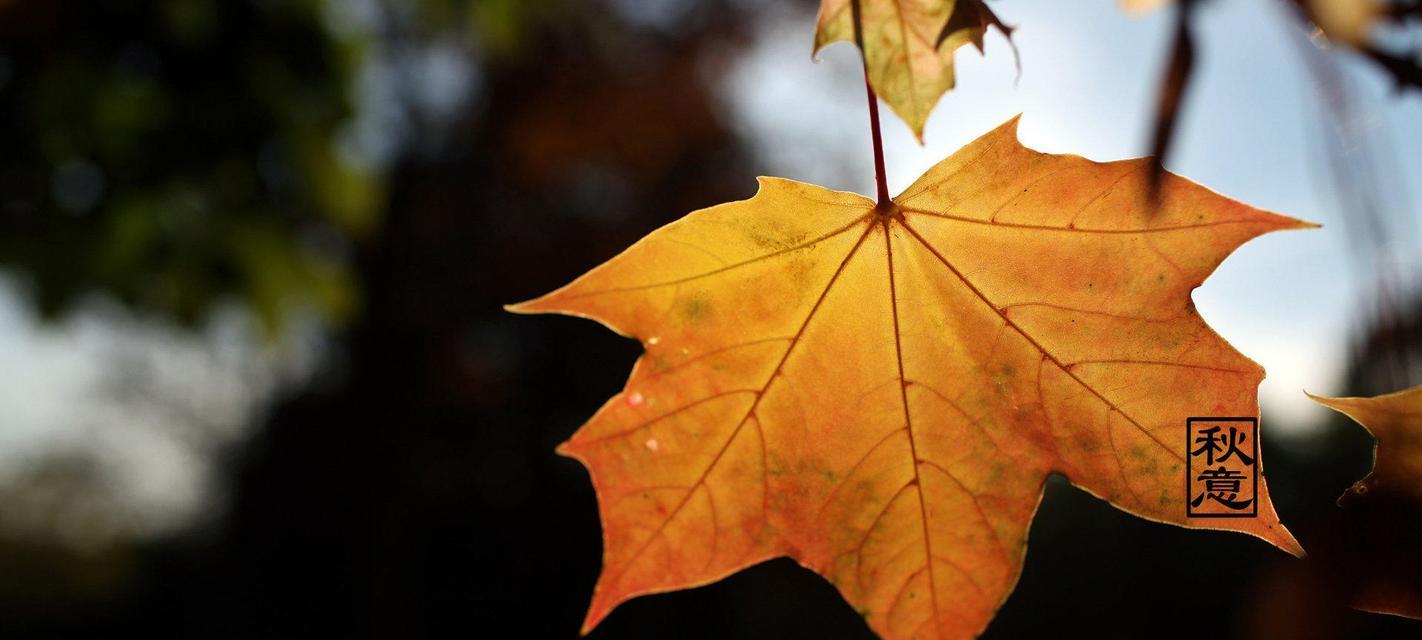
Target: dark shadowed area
[[279, 236]]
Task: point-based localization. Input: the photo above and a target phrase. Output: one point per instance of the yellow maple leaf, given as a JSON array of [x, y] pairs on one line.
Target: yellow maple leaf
[[880, 392]]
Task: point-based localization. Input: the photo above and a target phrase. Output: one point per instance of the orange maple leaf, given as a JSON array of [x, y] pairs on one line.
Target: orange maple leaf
[[881, 392], [1383, 511]]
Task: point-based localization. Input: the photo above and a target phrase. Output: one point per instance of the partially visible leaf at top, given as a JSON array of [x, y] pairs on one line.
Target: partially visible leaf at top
[[881, 392], [1142, 6], [1346, 21], [908, 46], [1369, 26], [1383, 511]]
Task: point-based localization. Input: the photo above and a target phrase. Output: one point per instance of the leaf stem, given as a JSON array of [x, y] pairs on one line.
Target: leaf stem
[[879, 175]]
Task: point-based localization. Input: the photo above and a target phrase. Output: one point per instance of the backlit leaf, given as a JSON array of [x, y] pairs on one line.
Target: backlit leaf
[[880, 393], [1383, 511], [909, 46]]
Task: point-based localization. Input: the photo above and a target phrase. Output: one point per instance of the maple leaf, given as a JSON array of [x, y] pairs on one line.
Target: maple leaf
[[908, 46], [1384, 510], [881, 392]]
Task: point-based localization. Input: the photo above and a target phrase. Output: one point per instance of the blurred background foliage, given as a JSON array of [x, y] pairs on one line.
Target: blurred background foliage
[[280, 232], [174, 153]]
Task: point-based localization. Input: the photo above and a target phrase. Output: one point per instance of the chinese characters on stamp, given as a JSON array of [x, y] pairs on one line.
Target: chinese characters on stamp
[[1221, 467]]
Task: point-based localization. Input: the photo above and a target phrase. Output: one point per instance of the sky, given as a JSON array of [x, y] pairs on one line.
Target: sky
[[1252, 129]]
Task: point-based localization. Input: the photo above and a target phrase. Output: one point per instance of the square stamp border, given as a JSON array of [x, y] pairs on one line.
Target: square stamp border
[[1254, 453]]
